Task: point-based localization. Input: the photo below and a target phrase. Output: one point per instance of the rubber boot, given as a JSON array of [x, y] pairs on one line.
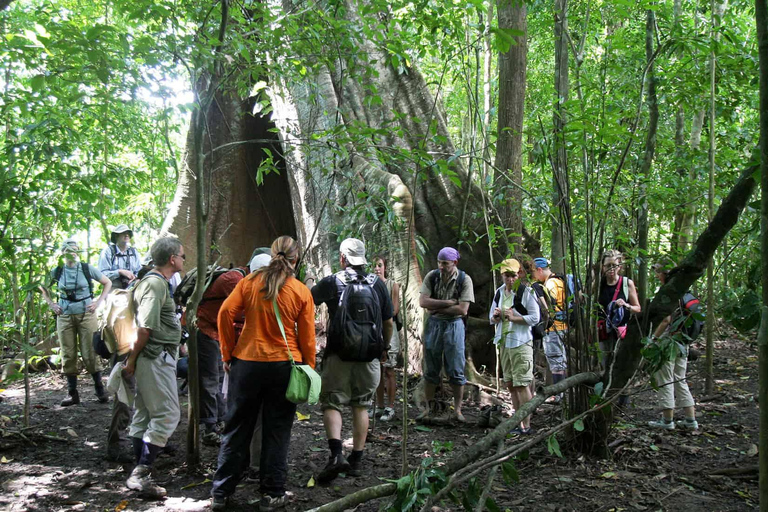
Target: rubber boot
[[101, 393], [74, 397]]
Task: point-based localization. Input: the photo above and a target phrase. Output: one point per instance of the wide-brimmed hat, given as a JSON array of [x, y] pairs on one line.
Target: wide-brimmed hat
[[119, 230]]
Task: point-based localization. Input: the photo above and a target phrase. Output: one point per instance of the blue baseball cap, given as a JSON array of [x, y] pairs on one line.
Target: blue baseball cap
[[541, 262]]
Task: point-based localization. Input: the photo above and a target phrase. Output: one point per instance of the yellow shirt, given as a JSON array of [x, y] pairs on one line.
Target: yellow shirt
[[555, 288]]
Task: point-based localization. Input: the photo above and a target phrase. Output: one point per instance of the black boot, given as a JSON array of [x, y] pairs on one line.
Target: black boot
[[101, 393], [74, 397]]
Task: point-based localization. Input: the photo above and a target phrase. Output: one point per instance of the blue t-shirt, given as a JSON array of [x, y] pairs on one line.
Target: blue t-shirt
[[73, 280]]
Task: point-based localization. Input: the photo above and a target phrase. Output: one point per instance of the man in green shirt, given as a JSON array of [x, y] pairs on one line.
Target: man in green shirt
[[153, 362]]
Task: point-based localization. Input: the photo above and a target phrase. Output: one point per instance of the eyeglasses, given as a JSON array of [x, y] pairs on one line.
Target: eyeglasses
[[611, 267], [182, 256]]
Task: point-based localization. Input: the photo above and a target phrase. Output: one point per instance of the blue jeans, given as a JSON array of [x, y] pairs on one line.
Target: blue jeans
[[444, 343]]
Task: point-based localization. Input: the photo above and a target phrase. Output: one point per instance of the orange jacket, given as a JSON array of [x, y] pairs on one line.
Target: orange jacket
[[261, 339]]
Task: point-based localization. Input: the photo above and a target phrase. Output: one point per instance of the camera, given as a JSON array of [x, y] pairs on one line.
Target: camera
[[71, 296]]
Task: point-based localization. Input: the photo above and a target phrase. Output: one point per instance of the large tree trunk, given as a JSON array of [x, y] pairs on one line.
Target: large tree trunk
[[242, 215], [560, 180], [509, 145]]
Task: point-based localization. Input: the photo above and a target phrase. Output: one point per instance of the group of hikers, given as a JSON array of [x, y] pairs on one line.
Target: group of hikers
[[254, 323]]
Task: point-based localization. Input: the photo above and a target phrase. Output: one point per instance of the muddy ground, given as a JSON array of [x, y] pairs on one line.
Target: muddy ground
[[57, 463]]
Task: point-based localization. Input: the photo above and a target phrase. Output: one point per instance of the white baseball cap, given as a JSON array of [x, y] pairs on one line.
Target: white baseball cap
[[354, 251], [258, 261]]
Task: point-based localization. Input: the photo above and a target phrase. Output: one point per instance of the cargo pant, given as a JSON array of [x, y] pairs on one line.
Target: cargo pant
[[76, 331]]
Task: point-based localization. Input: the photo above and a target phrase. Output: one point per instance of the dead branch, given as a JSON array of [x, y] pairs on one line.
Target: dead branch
[[736, 471], [354, 499]]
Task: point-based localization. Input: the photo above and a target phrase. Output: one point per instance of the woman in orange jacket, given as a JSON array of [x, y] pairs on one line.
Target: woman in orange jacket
[[259, 369]]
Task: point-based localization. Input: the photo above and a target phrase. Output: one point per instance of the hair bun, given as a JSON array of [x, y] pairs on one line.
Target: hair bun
[[280, 253]]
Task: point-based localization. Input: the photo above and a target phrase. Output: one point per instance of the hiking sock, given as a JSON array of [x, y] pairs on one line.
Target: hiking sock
[[149, 453], [71, 383], [335, 446], [355, 456], [138, 446]]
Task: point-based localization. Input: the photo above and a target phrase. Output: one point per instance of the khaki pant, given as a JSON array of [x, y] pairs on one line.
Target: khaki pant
[[74, 330], [670, 379], [157, 410]]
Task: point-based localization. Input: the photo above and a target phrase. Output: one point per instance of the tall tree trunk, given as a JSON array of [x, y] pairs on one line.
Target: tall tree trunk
[[560, 192], [647, 162], [710, 319], [761, 18], [509, 145]]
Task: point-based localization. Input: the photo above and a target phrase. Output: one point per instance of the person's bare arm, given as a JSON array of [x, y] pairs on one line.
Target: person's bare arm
[[142, 337], [395, 299], [662, 326], [106, 287], [434, 304], [457, 308], [47, 296]]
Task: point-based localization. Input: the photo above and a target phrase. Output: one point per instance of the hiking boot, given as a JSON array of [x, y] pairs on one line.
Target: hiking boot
[[662, 424], [388, 414], [74, 399], [211, 438], [355, 468], [688, 424], [336, 465], [219, 503], [101, 395], [141, 480], [428, 416], [268, 503], [252, 474]]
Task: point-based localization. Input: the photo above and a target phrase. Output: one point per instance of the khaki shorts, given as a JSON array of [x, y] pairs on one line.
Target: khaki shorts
[[348, 382], [517, 364]]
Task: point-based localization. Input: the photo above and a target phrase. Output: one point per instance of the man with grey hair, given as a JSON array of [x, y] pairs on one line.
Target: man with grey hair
[[348, 380], [153, 362]]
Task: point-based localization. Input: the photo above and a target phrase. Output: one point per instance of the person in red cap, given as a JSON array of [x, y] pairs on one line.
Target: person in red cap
[[446, 294]]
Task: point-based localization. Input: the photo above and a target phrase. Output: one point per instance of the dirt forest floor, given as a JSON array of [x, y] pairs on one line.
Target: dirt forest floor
[[57, 464]]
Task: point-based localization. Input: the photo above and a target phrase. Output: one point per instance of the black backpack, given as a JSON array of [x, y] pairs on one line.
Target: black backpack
[[86, 269], [692, 319], [355, 332], [187, 285], [540, 329]]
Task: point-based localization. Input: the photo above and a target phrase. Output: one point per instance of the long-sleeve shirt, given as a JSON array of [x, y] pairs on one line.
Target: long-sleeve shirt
[[113, 259], [511, 333], [213, 298], [261, 339]]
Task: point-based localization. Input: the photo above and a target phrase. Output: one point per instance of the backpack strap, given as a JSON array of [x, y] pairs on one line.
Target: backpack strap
[[625, 287], [618, 287], [518, 304], [434, 279], [57, 274], [88, 277]]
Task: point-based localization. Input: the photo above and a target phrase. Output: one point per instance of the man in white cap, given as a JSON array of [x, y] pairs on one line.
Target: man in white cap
[[76, 317], [119, 261], [347, 379]]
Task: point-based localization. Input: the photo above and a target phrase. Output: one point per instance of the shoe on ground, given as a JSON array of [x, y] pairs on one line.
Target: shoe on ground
[[73, 399], [519, 431], [101, 395], [370, 413], [355, 468], [211, 438], [687, 424], [219, 503], [425, 417], [554, 399], [388, 414], [458, 416], [269, 503], [141, 480], [662, 424], [336, 465], [252, 474]]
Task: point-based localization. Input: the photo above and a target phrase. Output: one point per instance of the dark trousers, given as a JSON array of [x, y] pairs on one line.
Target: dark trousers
[[252, 384], [212, 405], [121, 418]]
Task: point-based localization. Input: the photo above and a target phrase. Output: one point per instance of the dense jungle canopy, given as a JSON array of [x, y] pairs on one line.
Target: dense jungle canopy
[[557, 129]]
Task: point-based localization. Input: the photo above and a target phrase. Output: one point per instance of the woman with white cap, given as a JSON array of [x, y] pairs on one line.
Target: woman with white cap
[[76, 317]]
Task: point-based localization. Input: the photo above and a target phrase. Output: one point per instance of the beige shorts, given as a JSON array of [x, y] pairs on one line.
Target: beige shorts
[[348, 382], [517, 364]]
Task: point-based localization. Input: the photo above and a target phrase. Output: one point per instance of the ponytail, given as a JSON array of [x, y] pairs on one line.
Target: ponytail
[[285, 253]]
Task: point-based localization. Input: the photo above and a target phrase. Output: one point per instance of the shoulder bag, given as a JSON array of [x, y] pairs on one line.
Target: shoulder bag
[[304, 384]]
